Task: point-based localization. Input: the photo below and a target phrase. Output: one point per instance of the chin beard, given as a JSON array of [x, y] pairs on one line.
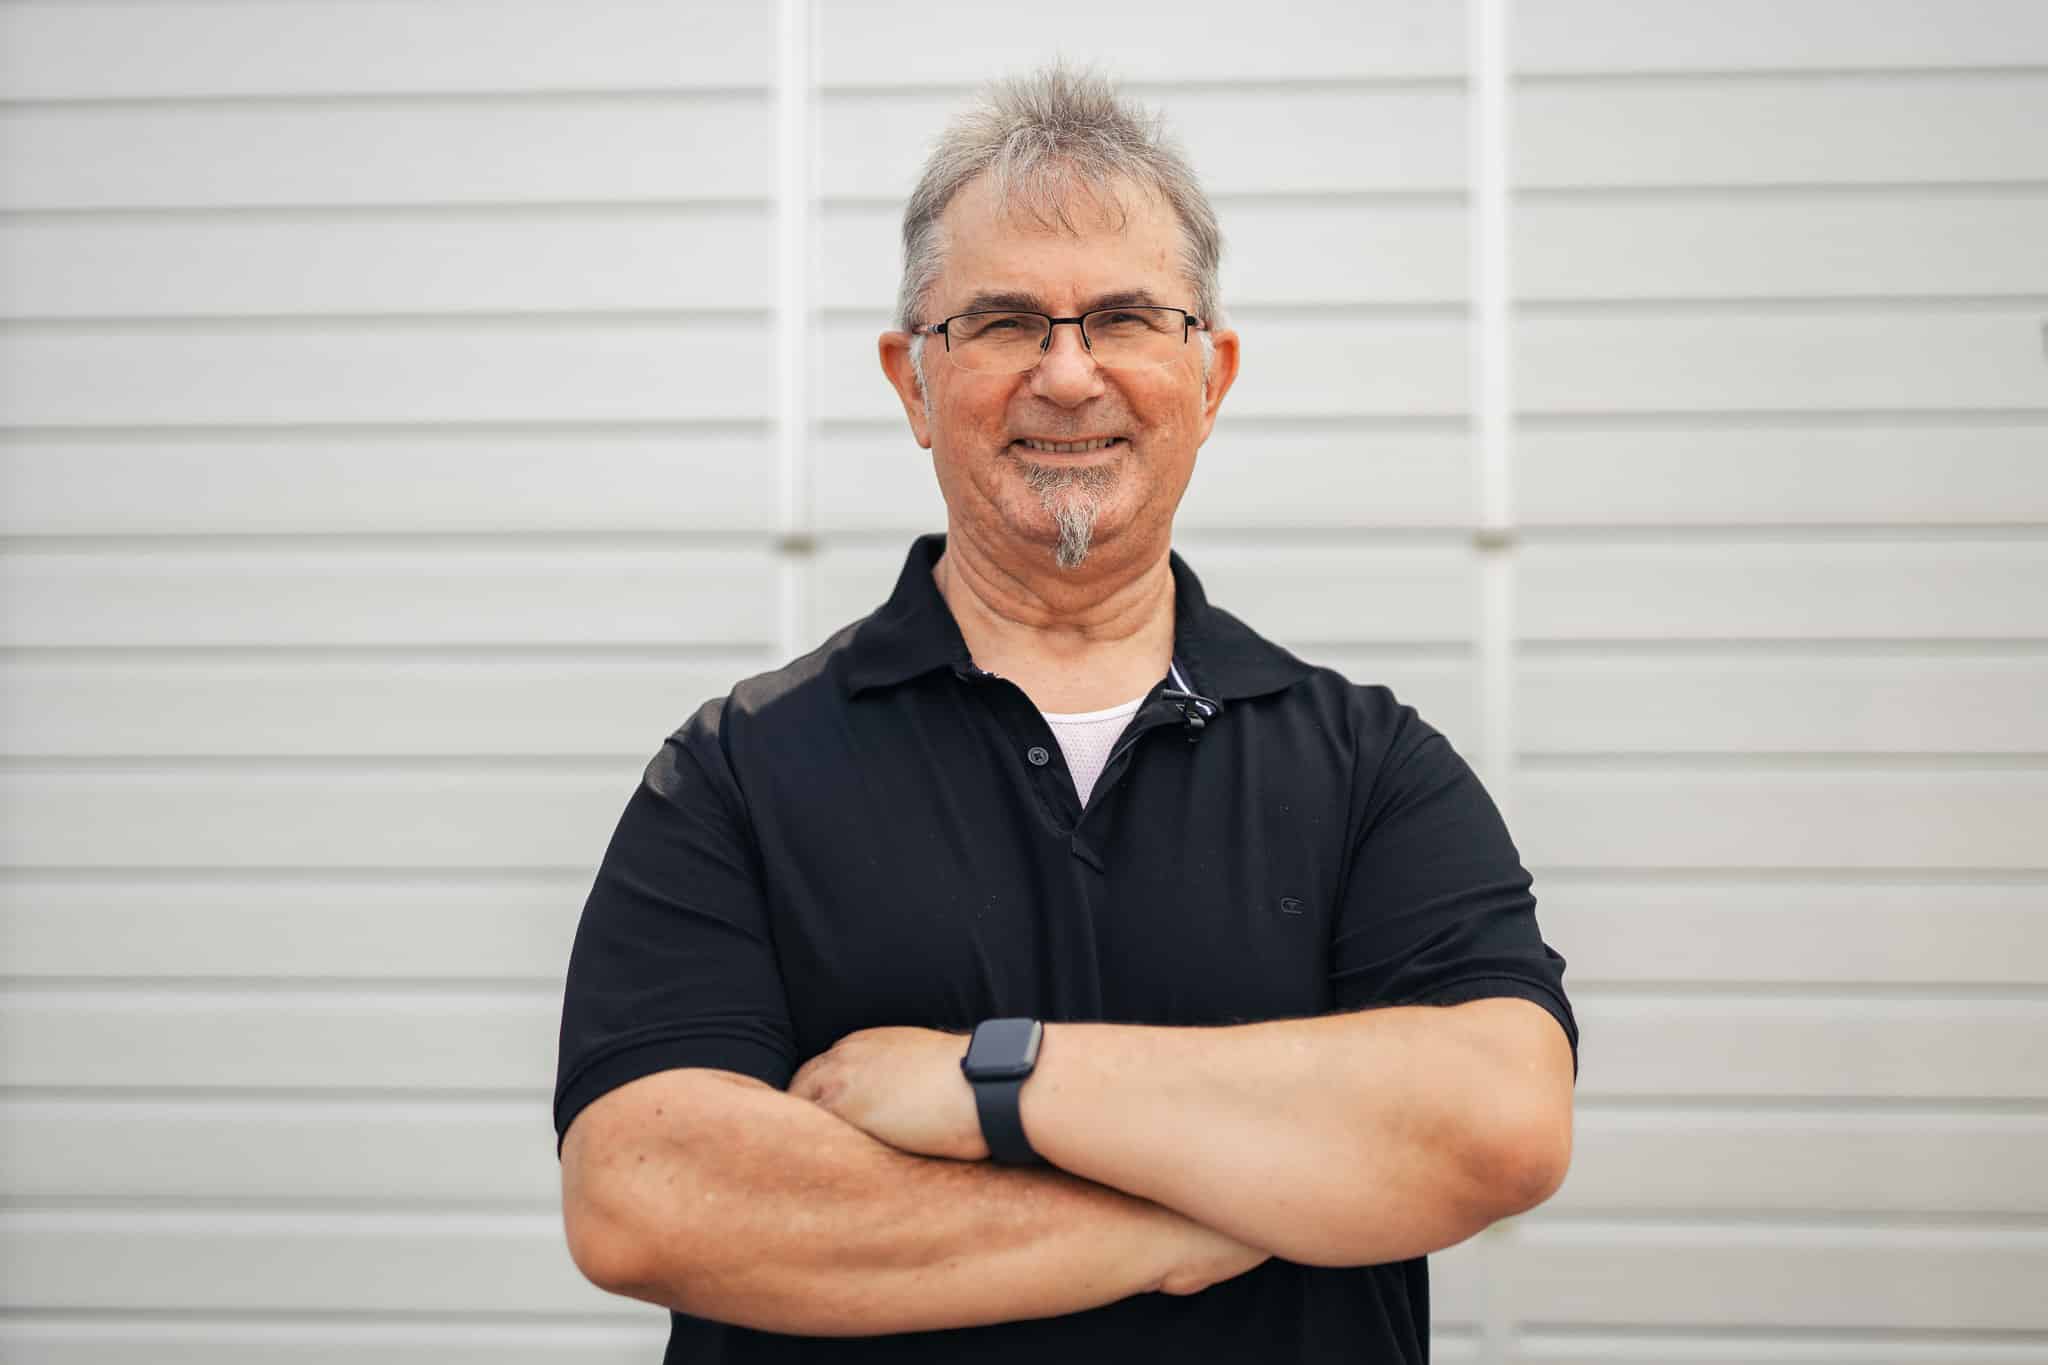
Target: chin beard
[[1073, 498]]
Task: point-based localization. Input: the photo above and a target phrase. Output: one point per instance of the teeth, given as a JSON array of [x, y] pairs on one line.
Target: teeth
[[1069, 447]]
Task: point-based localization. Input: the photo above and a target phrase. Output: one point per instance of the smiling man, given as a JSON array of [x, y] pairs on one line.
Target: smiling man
[[1048, 966]]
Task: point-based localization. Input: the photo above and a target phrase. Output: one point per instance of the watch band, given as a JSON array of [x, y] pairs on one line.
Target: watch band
[[1000, 1104]]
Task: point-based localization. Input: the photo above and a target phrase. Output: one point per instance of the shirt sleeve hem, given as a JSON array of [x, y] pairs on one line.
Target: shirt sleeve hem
[[747, 1056], [1494, 986]]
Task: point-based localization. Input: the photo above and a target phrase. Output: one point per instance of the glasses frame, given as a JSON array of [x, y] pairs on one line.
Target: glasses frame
[[1189, 324]]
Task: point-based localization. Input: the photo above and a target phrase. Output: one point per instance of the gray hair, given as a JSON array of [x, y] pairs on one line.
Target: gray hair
[[1040, 138]]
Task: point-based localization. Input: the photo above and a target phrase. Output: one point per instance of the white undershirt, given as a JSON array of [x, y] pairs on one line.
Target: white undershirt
[[1086, 738]]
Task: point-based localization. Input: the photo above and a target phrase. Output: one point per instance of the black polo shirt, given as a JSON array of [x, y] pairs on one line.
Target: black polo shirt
[[881, 833]]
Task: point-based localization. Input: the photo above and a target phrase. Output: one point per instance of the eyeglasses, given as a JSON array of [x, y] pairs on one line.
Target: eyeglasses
[[989, 341]]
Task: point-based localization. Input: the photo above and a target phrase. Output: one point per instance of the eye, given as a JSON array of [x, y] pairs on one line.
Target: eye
[[1127, 322], [1004, 328]]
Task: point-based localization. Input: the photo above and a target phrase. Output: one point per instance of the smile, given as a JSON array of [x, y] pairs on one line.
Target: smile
[[1068, 447]]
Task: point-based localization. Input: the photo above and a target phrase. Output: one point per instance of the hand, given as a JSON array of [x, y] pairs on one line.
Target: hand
[[902, 1086]]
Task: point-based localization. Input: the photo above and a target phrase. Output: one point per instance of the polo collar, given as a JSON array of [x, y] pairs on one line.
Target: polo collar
[[914, 633]]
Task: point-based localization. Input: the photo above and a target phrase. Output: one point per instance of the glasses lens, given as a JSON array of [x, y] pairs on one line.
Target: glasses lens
[[999, 343], [1135, 338]]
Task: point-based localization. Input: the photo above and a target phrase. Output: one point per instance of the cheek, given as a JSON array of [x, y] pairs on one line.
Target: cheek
[[970, 431], [1176, 416]]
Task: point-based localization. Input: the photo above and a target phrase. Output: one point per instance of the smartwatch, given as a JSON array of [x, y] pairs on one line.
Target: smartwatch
[[999, 1059]]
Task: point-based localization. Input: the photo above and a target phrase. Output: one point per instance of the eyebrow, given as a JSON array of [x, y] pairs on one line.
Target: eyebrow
[[1012, 300]]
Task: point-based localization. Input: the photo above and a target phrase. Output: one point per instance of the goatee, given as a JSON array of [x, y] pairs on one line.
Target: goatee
[[1073, 497]]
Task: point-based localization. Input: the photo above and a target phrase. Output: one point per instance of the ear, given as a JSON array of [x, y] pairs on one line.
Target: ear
[[895, 352], [1222, 374]]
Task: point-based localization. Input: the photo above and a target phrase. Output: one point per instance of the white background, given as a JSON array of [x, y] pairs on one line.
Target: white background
[[411, 409]]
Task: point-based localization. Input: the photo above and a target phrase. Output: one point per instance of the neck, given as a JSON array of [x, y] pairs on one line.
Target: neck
[[1073, 640]]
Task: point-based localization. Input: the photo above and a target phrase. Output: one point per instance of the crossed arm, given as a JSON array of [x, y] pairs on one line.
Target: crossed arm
[[859, 1201]]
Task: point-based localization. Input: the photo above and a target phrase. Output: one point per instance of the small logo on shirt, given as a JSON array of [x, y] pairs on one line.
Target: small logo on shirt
[[1289, 906]]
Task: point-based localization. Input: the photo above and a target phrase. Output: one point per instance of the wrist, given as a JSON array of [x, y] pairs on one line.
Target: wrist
[[1000, 1060]]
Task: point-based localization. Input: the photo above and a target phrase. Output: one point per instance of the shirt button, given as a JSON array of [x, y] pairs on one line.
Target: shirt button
[[1038, 756]]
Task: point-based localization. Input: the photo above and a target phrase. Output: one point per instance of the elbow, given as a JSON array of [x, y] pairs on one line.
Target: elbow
[[622, 1236], [604, 1248], [1527, 1162], [622, 1259]]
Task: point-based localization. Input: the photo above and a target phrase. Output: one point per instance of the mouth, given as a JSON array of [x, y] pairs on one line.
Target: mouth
[[1082, 447]]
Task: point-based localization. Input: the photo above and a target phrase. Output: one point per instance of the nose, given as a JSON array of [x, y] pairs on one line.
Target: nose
[[1067, 374]]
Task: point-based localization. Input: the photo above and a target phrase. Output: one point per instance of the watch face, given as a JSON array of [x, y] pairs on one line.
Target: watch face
[[1002, 1049]]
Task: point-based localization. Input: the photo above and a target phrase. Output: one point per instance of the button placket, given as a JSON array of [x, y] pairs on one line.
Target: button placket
[[1014, 711]]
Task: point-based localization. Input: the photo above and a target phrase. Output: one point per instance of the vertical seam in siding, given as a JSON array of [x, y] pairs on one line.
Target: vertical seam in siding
[[795, 164], [1493, 542]]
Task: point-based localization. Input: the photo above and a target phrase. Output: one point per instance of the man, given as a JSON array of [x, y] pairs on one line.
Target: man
[[1240, 960]]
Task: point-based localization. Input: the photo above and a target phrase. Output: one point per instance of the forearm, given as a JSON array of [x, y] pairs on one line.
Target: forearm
[[1347, 1139], [780, 1216]]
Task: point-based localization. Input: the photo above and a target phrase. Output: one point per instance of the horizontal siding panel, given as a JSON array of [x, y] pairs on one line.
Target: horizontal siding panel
[[1278, 252], [590, 595], [500, 1264], [512, 1264], [1899, 1279], [1443, 688], [1212, 40], [1251, 475], [1727, 1345], [439, 1153], [338, 1341], [294, 264], [873, 476], [534, 370], [860, 260], [1844, 934], [1972, 127], [62, 49], [1813, 360], [275, 1263], [847, 581], [309, 817], [1764, 590], [1625, 37], [508, 150], [444, 1042], [1763, 472], [1328, 476], [1457, 1295], [1303, 140], [1318, 253], [138, 706], [1298, 595], [1811, 246], [479, 926], [1847, 1048], [1865, 702], [453, 1042], [1731, 1162], [383, 481], [1342, 592], [1763, 818], [1292, 366]]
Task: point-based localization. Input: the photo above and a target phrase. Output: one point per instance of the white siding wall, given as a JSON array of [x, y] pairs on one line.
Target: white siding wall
[[409, 409]]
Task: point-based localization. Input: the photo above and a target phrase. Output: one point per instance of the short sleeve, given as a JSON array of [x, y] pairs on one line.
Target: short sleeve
[[1437, 908], [673, 963]]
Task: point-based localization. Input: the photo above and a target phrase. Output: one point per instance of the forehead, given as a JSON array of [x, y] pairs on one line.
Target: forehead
[[1061, 247]]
